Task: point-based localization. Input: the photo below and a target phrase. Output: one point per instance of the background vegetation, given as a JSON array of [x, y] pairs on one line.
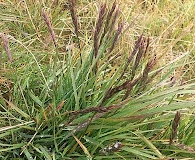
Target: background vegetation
[[97, 80]]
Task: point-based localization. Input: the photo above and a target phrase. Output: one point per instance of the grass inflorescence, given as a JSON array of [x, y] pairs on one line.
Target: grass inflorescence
[[91, 80]]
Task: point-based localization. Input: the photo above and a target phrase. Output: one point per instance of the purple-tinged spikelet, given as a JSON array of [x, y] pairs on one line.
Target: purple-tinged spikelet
[[175, 125], [99, 24], [119, 30], [47, 21], [6, 46], [74, 16]]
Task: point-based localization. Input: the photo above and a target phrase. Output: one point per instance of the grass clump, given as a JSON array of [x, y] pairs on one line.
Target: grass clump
[[84, 99]]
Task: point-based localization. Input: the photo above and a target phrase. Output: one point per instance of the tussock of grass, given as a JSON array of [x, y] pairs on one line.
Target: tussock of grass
[[90, 80]]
